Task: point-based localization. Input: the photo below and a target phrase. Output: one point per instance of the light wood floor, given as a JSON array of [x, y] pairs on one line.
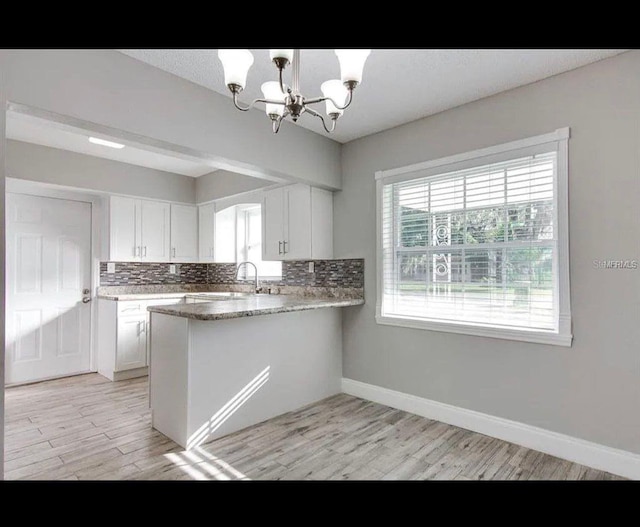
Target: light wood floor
[[86, 427]]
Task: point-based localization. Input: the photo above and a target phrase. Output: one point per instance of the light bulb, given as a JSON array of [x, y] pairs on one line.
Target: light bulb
[[271, 90], [286, 54], [236, 64], [336, 91], [351, 63]]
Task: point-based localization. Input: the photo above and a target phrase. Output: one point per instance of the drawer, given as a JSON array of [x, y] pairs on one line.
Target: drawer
[[131, 307], [135, 307], [165, 301]]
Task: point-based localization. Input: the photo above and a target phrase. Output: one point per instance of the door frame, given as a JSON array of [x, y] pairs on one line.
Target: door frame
[[98, 239]]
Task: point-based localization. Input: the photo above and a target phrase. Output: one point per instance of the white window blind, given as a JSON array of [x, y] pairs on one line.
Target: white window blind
[[476, 246]]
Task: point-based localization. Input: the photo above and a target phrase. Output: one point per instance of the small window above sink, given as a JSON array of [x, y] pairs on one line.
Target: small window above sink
[[238, 238]]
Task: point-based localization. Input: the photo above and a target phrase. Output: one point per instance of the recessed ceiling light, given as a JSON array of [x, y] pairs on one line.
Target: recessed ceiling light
[[104, 142]]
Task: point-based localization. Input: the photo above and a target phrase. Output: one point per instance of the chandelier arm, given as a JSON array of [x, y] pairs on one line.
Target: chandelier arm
[[284, 92], [316, 100], [278, 122], [253, 103], [324, 124]]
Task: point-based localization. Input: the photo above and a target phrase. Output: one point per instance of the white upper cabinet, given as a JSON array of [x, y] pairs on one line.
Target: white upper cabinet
[[297, 223], [184, 233], [321, 223], [273, 220], [139, 230], [206, 230], [155, 231], [123, 244]]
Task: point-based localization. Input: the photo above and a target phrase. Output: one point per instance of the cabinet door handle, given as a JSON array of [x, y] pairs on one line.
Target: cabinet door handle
[[174, 252], [280, 247], [284, 247], [145, 251]]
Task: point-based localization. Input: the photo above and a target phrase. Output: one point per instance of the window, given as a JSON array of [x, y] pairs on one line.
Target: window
[[238, 238], [249, 246], [477, 243]]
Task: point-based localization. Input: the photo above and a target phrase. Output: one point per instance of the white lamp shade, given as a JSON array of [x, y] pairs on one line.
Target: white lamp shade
[[351, 63], [236, 64], [281, 54], [271, 90], [336, 91]]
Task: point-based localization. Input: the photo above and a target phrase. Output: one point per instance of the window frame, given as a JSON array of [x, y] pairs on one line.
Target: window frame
[[555, 141], [241, 239]]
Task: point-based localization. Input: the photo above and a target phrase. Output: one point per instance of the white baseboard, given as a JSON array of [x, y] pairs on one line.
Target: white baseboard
[[594, 455], [130, 374]]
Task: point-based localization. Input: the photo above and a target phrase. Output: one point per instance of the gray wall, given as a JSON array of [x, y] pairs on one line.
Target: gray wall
[[108, 88], [51, 165], [591, 390], [221, 183]]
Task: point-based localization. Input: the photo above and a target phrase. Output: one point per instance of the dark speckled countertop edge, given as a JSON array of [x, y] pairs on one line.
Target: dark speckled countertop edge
[[224, 310]]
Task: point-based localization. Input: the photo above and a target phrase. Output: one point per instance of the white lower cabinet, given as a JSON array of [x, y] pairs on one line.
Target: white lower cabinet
[[122, 337], [131, 347]]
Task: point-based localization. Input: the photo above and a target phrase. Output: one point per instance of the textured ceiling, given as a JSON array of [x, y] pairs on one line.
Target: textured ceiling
[[399, 85]]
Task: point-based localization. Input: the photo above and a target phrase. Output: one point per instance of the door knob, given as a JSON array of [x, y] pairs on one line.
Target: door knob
[[86, 299]]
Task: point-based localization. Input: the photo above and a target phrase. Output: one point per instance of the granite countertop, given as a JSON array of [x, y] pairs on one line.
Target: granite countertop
[[251, 306], [142, 296]]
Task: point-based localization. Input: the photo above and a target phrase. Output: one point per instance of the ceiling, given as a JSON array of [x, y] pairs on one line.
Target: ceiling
[[399, 85], [47, 133]]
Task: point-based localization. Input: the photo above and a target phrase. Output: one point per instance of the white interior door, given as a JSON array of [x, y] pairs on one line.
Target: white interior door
[[48, 267]]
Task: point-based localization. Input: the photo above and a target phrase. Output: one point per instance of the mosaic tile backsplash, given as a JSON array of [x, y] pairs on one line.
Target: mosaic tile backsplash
[[145, 273], [328, 273]]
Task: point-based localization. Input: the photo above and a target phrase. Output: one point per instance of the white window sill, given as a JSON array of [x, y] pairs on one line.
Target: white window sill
[[261, 279], [537, 336]]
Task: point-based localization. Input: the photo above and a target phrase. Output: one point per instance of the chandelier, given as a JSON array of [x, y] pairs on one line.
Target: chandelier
[[282, 101]]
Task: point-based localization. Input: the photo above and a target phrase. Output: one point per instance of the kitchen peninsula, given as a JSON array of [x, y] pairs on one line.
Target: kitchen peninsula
[[221, 365]]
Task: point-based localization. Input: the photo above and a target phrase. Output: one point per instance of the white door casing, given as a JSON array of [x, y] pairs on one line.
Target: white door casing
[[48, 267]]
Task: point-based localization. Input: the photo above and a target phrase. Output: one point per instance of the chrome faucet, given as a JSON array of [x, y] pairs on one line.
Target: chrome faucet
[[257, 287]]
